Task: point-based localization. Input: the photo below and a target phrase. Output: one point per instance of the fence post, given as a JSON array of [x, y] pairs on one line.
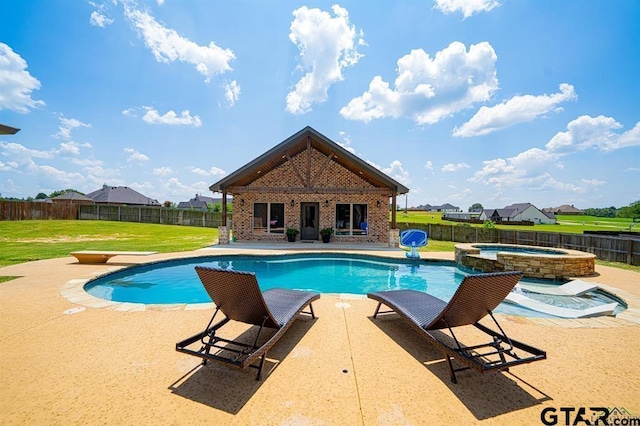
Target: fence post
[[629, 251]]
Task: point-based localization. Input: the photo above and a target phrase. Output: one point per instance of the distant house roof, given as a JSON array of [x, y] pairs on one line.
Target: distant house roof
[[8, 130], [72, 196], [563, 209], [198, 202], [120, 195], [298, 143]]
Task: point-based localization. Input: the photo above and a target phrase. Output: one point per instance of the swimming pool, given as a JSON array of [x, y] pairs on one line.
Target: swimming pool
[[176, 282]]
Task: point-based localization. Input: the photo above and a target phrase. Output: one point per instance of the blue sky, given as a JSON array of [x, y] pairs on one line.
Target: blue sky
[[490, 101]]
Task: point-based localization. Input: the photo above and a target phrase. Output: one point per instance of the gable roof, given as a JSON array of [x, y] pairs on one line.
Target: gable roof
[[8, 130], [296, 144], [121, 195], [72, 195]]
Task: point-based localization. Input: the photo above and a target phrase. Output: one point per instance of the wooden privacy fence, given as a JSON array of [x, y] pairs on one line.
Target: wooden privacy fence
[[32, 210], [161, 215], [615, 249]]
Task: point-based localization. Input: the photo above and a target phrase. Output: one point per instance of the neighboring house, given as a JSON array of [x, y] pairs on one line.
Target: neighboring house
[[71, 197], [119, 195], [443, 208], [564, 209], [461, 215], [518, 213], [309, 182], [199, 202]]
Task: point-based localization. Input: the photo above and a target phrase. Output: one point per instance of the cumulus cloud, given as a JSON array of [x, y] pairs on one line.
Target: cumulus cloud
[[430, 89], [395, 170], [346, 144], [518, 109], [588, 132], [97, 19], [162, 171], [213, 171], [454, 167], [327, 46], [232, 92], [428, 165], [169, 46], [467, 7], [135, 156], [534, 168], [152, 116], [16, 84], [67, 125]]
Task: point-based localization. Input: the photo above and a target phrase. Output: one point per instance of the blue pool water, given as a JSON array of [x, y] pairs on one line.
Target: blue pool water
[[176, 281], [491, 252]]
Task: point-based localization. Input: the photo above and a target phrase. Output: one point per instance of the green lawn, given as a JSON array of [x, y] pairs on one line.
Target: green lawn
[[566, 223], [24, 241]]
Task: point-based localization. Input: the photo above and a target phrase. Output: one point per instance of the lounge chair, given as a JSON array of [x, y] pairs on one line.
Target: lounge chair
[[477, 296], [239, 298]]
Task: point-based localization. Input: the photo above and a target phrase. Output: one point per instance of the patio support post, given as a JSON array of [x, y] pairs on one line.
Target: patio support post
[[223, 230], [394, 234], [393, 210]]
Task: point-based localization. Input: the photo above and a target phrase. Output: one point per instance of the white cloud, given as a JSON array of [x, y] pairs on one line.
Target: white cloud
[[21, 153], [170, 117], [430, 89], [16, 84], [168, 46], [587, 132], [428, 165], [454, 167], [518, 109], [97, 19], [162, 171], [347, 142], [467, 7], [327, 46], [135, 156], [232, 92], [67, 125], [213, 171], [593, 182], [395, 171]]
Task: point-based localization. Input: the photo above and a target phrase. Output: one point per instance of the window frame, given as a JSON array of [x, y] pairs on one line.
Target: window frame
[[267, 229], [342, 231]]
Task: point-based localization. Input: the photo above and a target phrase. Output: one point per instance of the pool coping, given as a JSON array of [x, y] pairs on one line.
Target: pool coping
[[73, 291]]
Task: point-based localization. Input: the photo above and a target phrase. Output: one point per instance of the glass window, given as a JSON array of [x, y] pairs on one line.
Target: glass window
[[275, 213], [351, 219]]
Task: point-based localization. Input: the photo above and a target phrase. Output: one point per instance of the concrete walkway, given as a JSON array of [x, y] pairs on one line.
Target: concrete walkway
[[65, 362]]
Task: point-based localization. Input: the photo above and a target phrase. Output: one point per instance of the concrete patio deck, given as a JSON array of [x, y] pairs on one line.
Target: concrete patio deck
[[114, 365]]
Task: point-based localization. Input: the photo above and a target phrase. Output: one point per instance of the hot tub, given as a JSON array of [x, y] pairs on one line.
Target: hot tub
[[534, 261]]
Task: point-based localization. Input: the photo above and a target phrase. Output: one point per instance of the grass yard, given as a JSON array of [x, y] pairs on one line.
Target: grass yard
[[566, 223], [24, 241]]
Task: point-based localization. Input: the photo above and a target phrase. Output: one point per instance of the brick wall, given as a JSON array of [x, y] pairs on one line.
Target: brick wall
[[332, 175]]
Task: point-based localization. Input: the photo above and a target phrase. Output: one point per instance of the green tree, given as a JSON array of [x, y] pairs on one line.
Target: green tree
[[62, 191], [631, 211], [41, 196], [476, 207]]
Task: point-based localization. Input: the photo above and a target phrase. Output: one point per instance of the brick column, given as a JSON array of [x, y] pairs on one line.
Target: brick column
[[223, 235], [394, 237]]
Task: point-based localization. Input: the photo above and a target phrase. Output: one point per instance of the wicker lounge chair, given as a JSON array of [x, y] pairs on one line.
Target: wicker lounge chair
[[239, 298], [476, 297]]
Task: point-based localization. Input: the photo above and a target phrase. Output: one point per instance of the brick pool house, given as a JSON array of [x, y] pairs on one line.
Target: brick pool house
[[309, 182]]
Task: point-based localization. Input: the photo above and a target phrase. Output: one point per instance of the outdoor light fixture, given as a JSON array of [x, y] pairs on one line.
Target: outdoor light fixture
[[293, 202], [242, 202], [378, 203], [326, 203]]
